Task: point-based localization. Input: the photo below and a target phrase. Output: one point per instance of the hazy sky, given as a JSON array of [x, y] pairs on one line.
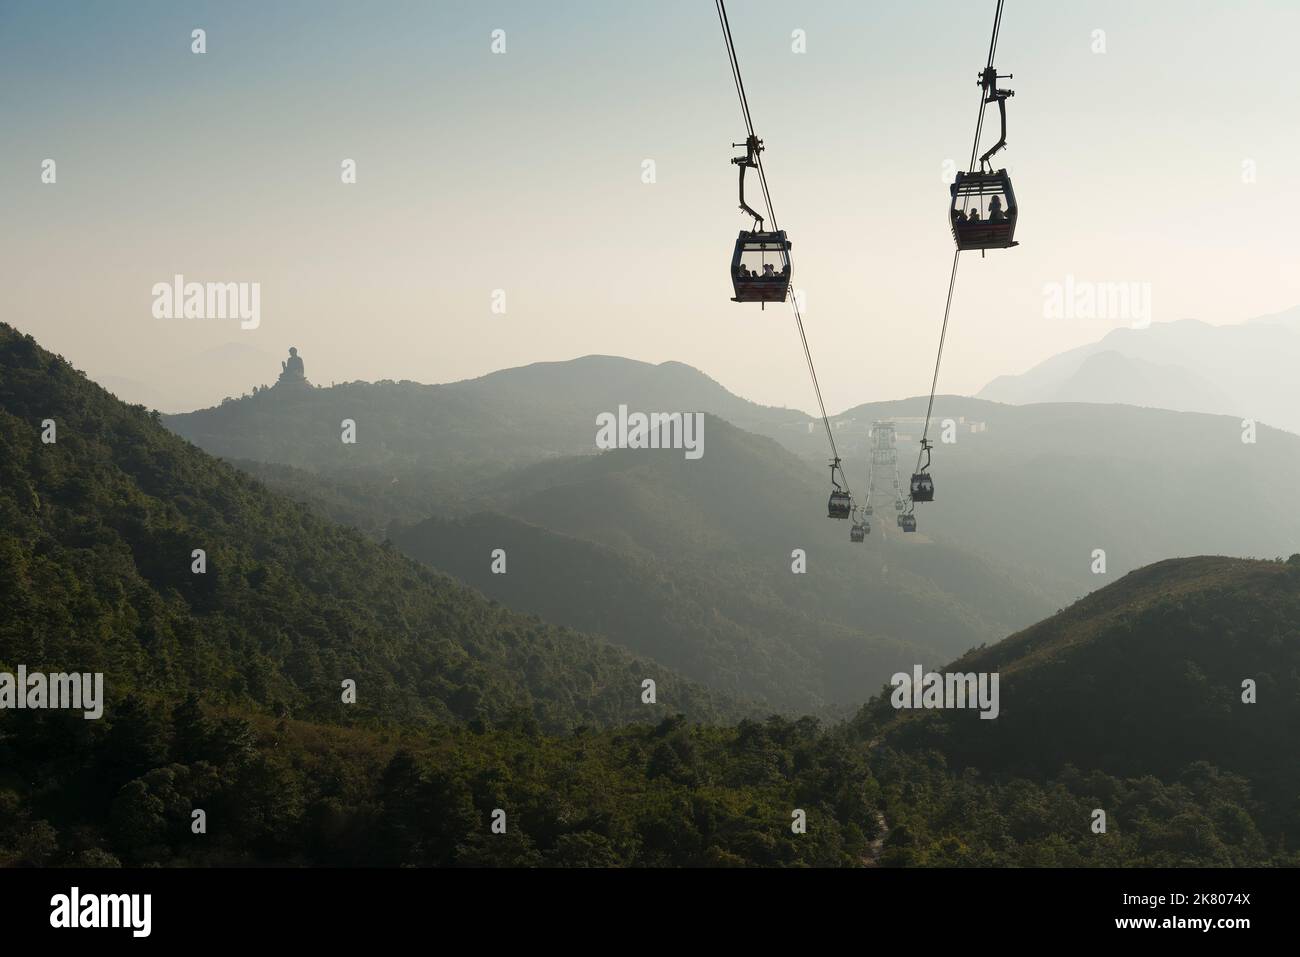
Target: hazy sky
[[523, 172]]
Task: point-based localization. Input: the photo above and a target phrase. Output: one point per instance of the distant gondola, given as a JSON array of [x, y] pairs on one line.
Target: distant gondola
[[922, 485], [841, 502], [840, 505]]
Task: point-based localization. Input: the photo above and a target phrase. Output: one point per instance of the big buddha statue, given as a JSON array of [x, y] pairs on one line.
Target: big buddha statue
[[292, 372]]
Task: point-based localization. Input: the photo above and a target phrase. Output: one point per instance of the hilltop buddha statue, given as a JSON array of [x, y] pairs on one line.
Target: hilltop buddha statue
[[291, 370]]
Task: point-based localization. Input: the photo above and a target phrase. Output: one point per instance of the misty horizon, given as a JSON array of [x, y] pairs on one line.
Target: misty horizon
[[393, 276]]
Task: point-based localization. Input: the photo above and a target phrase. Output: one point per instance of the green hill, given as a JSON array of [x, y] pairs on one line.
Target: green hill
[[209, 679], [739, 637], [1130, 701], [1144, 676], [95, 575], [223, 688]]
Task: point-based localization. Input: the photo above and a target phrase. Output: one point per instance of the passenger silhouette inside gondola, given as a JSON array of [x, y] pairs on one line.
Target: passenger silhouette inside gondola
[[960, 215], [974, 216], [995, 210], [768, 272]]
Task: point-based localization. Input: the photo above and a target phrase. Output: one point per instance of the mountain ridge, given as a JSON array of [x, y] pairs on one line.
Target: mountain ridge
[[1241, 369], [287, 604]]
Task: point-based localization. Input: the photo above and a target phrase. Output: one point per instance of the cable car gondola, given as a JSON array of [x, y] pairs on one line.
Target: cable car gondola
[[907, 523], [867, 510], [841, 503], [982, 216], [760, 262], [922, 485], [983, 211], [760, 267], [857, 533], [898, 505]]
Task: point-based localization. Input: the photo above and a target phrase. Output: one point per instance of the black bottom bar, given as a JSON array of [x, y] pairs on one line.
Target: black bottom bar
[[928, 908]]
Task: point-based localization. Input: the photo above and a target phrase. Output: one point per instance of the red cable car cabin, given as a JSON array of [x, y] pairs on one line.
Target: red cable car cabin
[[760, 267], [984, 211]]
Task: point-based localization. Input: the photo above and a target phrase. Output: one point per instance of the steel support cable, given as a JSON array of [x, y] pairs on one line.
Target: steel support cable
[[735, 67], [952, 280], [997, 25], [771, 215], [812, 371]]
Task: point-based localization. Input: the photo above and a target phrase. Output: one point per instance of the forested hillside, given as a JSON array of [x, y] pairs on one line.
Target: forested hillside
[[1133, 700], [96, 574], [223, 690]]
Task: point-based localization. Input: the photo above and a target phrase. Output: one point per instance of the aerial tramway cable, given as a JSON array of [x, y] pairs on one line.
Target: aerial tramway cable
[[771, 215], [952, 279]]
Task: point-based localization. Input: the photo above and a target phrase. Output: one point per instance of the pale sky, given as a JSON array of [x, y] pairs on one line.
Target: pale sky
[[523, 172]]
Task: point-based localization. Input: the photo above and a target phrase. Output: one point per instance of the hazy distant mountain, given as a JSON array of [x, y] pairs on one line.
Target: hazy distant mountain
[[1137, 382], [1044, 486], [690, 561], [509, 417], [1028, 496], [193, 381], [1288, 317], [1245, 370], [133, 392]]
